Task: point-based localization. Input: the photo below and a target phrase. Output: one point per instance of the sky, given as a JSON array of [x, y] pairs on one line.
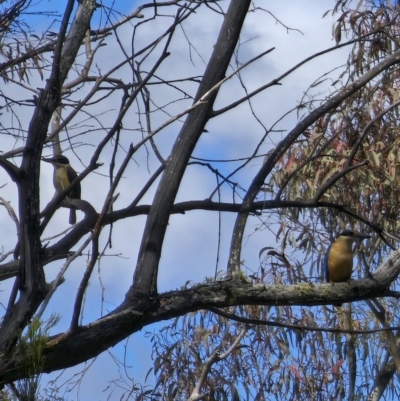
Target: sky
[[190, 250]]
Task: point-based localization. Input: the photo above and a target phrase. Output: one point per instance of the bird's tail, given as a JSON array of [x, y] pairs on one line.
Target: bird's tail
[[72, 216]]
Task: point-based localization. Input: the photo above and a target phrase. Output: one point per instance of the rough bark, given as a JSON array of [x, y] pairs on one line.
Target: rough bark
[[70, 348]]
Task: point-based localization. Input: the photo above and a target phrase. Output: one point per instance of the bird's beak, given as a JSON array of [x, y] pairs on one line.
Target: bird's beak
[[362, 236], [47, 159]]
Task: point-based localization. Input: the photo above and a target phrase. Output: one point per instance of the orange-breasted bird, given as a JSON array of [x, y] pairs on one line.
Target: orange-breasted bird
[[338, 260]]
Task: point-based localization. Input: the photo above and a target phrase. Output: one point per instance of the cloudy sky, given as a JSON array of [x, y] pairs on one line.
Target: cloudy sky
[[190, 250]]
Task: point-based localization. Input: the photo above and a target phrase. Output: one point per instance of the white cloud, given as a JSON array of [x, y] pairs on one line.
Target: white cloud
[[190, 247]]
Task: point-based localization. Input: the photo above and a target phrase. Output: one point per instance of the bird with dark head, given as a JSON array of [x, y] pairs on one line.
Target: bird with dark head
[[63, 176], [338, 260]]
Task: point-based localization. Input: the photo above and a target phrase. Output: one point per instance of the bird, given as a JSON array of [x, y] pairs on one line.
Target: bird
[[63, 176], [338, 260]]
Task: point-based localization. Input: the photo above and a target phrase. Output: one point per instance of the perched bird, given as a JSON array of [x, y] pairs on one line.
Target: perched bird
[[338, 260], [63, 176]]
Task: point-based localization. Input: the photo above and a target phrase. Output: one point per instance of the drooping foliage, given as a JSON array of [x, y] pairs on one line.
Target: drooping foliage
[[348, 158]]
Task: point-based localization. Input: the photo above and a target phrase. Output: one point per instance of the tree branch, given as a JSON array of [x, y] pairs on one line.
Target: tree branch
[[283, 146], [32, 279], [215, 357], [70, 348], [145, 278]]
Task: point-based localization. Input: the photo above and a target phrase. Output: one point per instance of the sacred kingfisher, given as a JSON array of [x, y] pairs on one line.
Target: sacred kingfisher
[[338, 260], [63, 176]]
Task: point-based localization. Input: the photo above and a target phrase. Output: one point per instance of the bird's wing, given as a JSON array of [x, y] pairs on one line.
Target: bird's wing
[[76, 190]]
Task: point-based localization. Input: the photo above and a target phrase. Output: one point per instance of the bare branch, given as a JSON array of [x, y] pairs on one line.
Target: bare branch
[[215, 357]]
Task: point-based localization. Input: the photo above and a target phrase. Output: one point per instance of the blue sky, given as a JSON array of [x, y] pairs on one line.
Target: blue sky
[[190, 247]]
